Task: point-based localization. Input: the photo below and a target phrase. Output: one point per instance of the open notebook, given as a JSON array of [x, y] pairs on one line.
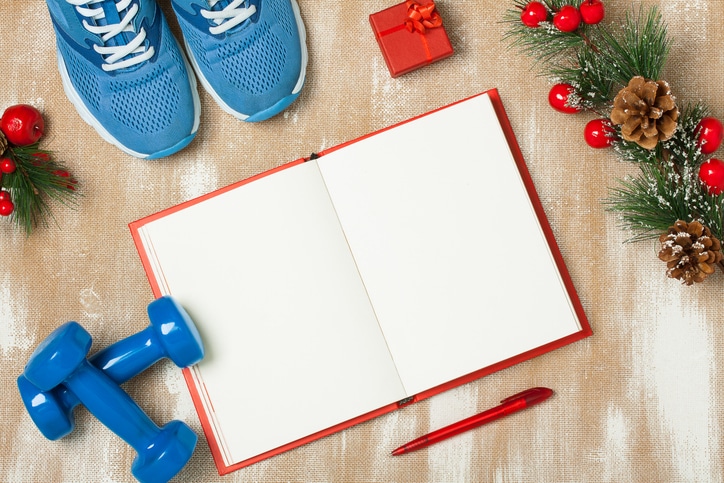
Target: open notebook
[[390, 268]]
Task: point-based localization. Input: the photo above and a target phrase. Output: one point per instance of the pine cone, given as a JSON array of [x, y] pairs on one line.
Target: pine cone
[[690, 251], [3, 143], [647, 112]]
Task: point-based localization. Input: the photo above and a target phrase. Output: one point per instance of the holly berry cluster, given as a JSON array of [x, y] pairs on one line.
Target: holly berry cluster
[[27, 172], [600, 133], [567, 18]]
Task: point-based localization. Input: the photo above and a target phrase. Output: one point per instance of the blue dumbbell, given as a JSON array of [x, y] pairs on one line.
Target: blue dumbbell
[[61, 359], [171, 334]]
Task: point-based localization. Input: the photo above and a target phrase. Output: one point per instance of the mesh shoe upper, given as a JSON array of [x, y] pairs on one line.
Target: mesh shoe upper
[[250, 55], [125, 73]]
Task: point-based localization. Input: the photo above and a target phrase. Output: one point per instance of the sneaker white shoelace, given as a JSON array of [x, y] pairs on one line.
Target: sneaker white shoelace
[[230, 16], [116, 56]]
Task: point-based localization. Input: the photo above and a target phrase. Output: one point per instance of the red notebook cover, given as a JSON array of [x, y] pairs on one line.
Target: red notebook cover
[[162, 275]]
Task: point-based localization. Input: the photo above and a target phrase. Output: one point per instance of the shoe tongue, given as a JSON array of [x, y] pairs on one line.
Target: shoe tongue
[[111, 17], [111, 13]]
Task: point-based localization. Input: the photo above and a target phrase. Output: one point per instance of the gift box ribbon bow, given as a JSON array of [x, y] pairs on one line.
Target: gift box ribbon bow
[[421, 17]]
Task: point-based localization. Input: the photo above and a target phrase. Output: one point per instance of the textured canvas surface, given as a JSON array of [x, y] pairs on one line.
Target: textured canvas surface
[[638, 401]]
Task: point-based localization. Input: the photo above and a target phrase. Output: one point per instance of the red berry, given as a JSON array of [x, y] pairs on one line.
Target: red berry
[[7, 166], [4, 195], [599, 133], [711, 172], [533, 14], [710, 133], [6, 207], [558, 98], [22, 124], [567, 19], [64, 174], [591, 11], [40, 158]]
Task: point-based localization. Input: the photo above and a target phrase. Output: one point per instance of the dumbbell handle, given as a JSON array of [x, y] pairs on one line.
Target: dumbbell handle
[[111, 405], [128, 357]]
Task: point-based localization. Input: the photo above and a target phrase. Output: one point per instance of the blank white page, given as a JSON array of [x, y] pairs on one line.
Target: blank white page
[[447, 244], [292, 343]]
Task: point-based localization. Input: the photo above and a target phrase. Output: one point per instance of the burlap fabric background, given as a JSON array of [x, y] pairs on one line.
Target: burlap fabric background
[[639, 401]]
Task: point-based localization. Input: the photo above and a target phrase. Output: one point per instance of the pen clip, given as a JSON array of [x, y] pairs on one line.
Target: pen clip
[[533, 393]]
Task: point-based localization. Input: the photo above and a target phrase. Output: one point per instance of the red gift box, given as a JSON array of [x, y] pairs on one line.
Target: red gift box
[[410, 35]]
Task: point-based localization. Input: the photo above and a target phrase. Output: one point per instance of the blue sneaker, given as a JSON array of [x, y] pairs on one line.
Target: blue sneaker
[[126, 75], [250, 55]]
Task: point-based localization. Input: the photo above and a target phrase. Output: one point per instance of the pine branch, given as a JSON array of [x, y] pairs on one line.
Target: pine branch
[[590, 79], [645, 203], [663, 193], [683, 147], [36, 178], [642, 51], [632, 152]]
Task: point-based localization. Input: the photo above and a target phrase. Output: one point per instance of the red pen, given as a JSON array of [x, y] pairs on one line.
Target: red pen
[[508, 405]]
